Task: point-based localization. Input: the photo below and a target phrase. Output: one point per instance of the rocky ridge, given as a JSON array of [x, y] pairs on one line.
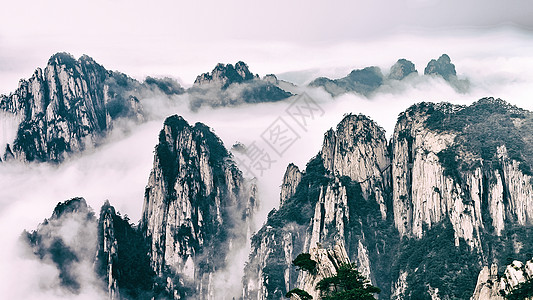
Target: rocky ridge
[[234, 85], [420, 215], [368, 80]]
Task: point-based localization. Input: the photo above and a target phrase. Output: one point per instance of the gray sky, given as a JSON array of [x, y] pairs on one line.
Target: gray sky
[[183, 39]]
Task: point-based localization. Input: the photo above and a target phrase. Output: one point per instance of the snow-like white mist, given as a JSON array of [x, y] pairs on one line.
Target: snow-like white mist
[[119, 170]]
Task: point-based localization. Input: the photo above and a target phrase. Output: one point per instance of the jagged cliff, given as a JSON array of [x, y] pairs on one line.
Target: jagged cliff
[[461, 180], [493, 285], [67, 107], [197, 209], [108, 252], [339, 199]]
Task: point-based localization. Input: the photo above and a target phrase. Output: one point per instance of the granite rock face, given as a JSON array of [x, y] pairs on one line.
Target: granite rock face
[[291, 179], [196, 210], [429, 185], [328, 262], [68, 107], [323, 210], [454, 180]]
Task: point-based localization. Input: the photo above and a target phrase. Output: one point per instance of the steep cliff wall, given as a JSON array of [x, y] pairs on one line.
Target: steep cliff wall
[[108, 252], [437, 174], [421, 215], [463, 170], [196, 210]]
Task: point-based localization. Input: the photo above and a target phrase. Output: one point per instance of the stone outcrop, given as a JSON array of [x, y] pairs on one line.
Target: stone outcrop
[[68, 107], [493, 286], [196, 209], [401, 69], [291, 179], [328, 262], [358, 149], [426, 191], [108, 251]]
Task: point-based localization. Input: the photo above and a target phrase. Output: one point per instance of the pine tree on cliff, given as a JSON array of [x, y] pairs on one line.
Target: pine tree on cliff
[[347, 284]]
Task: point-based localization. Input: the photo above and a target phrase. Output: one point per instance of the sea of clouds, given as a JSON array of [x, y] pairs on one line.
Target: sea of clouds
[[497, 65]]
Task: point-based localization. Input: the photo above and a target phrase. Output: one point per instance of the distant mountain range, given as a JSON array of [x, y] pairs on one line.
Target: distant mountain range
[[366, 81]]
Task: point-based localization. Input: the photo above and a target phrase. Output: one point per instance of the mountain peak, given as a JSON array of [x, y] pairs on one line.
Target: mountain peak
[[442, 66], [226, 74], [61, 58], [401, 69]]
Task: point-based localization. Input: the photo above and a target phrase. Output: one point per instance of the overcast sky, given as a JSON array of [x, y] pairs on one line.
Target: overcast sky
[[183, 39]]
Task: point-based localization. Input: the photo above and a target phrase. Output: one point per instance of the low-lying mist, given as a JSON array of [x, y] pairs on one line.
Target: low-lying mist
[[119, 169]]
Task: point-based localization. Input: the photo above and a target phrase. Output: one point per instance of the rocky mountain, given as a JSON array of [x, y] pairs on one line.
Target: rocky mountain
[[340, 198], [72, 236], [66, 240], [362, 81], [444, 68], [71, 105], [367, 80], [233, 85], [197, 209], [419, 215], [401, 69], [225, 75]]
